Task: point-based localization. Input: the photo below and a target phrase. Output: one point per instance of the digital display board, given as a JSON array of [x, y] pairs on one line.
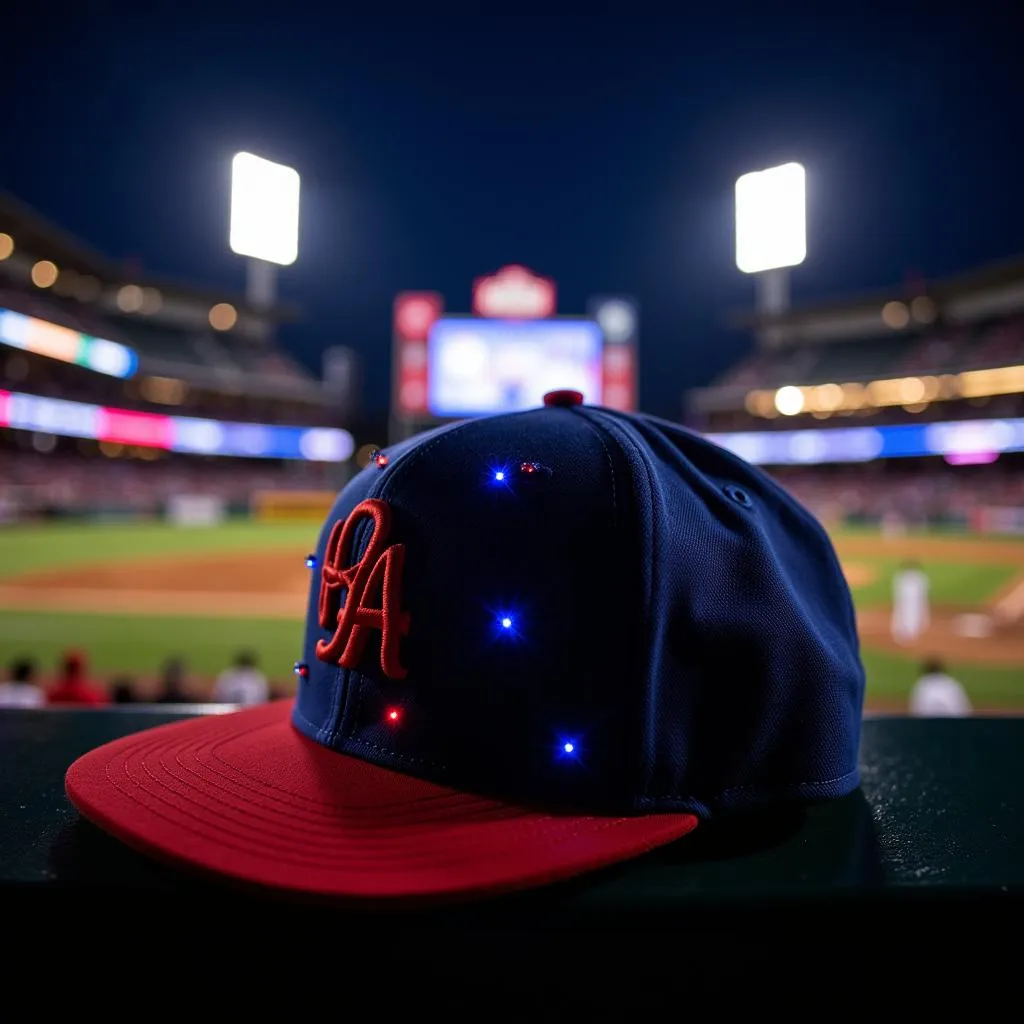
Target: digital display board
[[31, 334], [478, 366], [958, 441], [185, 434]]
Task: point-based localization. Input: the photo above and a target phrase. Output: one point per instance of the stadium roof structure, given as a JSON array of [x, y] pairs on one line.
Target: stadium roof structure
[[994, 289], [39, 236]]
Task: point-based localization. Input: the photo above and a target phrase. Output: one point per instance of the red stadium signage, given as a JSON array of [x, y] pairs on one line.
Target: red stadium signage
[[414, 315], [145, 429], [514, 293], [618, 373]]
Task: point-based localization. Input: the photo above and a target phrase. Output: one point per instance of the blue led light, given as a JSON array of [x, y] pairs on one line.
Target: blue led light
[[500, 475], [567, 749], [506, 624], [310, 561]]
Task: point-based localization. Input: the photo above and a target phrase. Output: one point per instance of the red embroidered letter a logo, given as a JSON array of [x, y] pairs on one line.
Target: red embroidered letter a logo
[[377, 573]]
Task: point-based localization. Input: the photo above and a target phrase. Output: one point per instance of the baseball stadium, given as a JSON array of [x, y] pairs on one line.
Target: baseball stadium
[[894, 418], [166, 465]]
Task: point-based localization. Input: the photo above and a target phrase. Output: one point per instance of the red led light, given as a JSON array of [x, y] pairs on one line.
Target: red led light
[[381, 460], [528, 467], [394, 715]]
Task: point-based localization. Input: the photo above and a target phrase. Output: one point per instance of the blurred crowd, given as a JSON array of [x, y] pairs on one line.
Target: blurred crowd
[[231, 366], [241, 683], [946, 350], [994, 408], [918, 494], [949, 349], [68, 481]]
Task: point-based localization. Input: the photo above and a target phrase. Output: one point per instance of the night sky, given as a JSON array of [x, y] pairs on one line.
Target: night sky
[[600, 150]]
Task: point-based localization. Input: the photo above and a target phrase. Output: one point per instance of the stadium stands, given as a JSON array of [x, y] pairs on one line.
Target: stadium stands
[[198, 335], [951, 350], [953, 355], [67, 483], [77, 327], [168, 348], [921, 491], [160, 342]]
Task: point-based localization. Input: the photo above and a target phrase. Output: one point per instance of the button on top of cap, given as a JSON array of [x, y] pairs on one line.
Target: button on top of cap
[[566, 396]]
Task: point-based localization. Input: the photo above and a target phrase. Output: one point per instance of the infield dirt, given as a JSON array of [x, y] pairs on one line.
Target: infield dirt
[[274, 584]]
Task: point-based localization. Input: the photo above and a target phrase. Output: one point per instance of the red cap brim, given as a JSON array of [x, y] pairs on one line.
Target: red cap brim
[[247, 796]]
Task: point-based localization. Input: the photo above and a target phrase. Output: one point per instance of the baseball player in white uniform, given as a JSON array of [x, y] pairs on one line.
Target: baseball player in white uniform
[[937, 694], [909, 603]]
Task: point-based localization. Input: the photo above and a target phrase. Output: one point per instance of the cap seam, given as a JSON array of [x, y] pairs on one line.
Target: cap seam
[[611, 469], [614, 430]]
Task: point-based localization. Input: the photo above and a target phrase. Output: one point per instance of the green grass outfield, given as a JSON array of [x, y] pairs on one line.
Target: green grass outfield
[[137, 644]]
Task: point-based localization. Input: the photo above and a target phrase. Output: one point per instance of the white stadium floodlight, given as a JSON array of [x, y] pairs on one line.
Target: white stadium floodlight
[[264, 210], [771, 219]]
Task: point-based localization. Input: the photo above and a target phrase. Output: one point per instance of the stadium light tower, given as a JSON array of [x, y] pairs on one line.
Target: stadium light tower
[[771, 232], [264, 222]]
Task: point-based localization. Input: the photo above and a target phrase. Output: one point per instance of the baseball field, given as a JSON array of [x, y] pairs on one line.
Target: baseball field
[[133, 594]]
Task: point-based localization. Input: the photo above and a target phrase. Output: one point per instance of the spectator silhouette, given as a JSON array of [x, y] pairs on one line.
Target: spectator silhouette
[[73, 685], [122, 690], [172, 688], [936, 694], [243, 683], [21, 690]]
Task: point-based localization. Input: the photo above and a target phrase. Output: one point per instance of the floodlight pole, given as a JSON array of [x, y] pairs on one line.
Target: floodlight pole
[[261, 292], [771, 300]]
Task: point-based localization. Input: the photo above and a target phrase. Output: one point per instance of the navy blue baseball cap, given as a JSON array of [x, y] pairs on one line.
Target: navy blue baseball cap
[[536, 644]]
